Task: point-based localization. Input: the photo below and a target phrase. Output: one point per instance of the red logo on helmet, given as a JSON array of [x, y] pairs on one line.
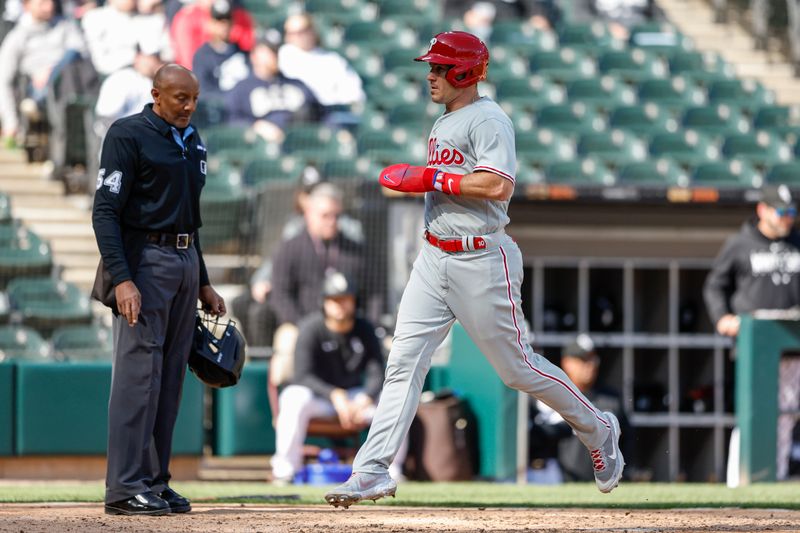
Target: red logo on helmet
[[446, 156]]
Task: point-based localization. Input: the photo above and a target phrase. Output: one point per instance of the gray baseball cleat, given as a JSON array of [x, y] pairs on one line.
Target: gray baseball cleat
[[607, 459], [361, 486]]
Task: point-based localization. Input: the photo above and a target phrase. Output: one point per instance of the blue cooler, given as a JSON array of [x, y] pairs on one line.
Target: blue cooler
[[328, 471]]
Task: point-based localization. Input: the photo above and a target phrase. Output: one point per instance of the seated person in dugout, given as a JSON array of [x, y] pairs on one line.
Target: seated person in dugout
[[338, 371]]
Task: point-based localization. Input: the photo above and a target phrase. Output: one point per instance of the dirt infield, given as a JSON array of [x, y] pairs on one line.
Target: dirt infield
[[89, 518]]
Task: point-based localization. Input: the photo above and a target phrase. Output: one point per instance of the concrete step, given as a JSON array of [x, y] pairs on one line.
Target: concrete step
[[73, 245], [63, 214], [35, 187], [82, 277], [57, 230], [12, 156], [78, 260]]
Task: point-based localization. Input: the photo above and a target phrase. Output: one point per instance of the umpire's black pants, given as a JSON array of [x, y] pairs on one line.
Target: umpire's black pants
[[148, 370]]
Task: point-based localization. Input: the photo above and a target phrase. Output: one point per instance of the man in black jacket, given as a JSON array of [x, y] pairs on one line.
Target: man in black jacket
[[146, 217], [759, 267]]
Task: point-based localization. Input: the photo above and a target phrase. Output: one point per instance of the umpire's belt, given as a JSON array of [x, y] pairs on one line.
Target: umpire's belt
[[464, 244], [181, 241]]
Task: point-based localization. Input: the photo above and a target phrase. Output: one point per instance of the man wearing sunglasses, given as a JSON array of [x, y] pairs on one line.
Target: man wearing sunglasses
[[759, 267]]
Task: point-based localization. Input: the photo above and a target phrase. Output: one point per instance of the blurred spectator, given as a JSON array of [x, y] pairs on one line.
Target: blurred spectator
[[219, 64], [126, 91], [338, 371], [152, 30], [189, 29], [40, 50], [333, 82], [254, 309], [542, 14], [793, 18], [479, 19], [111, 35], [300, 264], [620, 15], [552, 438], [759, 267], [267, 100]]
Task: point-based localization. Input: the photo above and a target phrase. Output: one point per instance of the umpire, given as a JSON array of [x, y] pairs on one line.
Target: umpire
[[146, 216]]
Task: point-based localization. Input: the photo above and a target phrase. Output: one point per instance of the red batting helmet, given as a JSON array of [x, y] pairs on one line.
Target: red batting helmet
[[465, 52]]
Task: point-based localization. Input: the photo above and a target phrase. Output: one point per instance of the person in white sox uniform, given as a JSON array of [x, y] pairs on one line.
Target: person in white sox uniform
[[468, 270]]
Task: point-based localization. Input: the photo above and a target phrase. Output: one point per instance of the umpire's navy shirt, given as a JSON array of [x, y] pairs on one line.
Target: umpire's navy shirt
[[150, 179]]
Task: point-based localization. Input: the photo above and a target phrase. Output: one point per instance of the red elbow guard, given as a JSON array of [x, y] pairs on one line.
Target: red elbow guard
[[406, 178]]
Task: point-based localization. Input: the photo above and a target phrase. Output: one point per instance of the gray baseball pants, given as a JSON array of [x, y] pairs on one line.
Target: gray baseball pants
[[148, 369], [481, 290]]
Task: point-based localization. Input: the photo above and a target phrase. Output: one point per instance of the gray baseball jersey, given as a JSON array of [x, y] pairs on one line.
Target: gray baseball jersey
[[480, 289]]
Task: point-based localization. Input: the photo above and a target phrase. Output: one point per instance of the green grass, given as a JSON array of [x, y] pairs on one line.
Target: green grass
[[628, 495]]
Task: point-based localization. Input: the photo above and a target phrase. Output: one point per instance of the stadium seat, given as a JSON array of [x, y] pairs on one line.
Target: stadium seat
[[587, 172], [418, 115], [613, 147], [541, 147], [691, 63], [388, 146], [591, 38], [601, 93], [570, 119], [367, 64], [645, 120], [46, 303], [400, 61], [674, 94], [349, 168], [631, 65], [659, 37], [527, 174], [653, 173], [562, 65], [22, 254], [522, 37], [412, 9], [747, 95], [687, 147], [234, 144], [381, 35], [260, 171], [506, 65], [761, 149], [782, 120], [317, 143], [22, 343], [788, 173], [715, 120], [82, 343], [529, 93], [731, 174], [392, 90]]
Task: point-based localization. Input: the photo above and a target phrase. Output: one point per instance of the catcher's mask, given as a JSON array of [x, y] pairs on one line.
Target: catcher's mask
[[218, 351], [465, 52]]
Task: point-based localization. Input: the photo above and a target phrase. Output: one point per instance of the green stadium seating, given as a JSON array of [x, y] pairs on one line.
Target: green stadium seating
[[400, 61], [522, 37], [317, 143], [658, 37], [349, 168], [687, 147], [223, 208], [529, 93], [541, 147], [715, 120], [613, 147], [367, 64], [571, 119], [587, 172], [46, 303], [783, 120], [760, 149], [506, 65], [645, 120], [527, 174], [674, 94], [788, 173], [631, 65], [267, 13], [562, 65], [387, 146], [82, 343], [392, 90], [332, 7], [235, 144], [726, 174], [380, 35], [411, 9], [22, 254], [22, 343], [692, 63], [259, 171], [601, 93], [653, 173], [744, 94], [591, 38], [418, 115]]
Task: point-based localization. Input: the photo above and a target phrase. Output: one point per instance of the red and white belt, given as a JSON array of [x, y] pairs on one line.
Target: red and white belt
[[464, 244]]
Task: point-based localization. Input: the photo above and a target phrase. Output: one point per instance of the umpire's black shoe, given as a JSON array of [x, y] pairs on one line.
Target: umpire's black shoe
[[176, 502], [145, 503]]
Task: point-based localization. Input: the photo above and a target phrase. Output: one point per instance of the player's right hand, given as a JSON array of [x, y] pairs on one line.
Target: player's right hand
[[129, 301]]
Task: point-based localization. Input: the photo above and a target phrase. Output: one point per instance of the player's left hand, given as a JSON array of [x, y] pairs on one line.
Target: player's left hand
[[407, 178], [212, 301]]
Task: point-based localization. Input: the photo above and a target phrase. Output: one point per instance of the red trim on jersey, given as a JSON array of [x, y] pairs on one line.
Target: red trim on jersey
[[525, 356], [494, 170]]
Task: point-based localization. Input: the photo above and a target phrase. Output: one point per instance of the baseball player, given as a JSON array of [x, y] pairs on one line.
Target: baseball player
[[469, 270]]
